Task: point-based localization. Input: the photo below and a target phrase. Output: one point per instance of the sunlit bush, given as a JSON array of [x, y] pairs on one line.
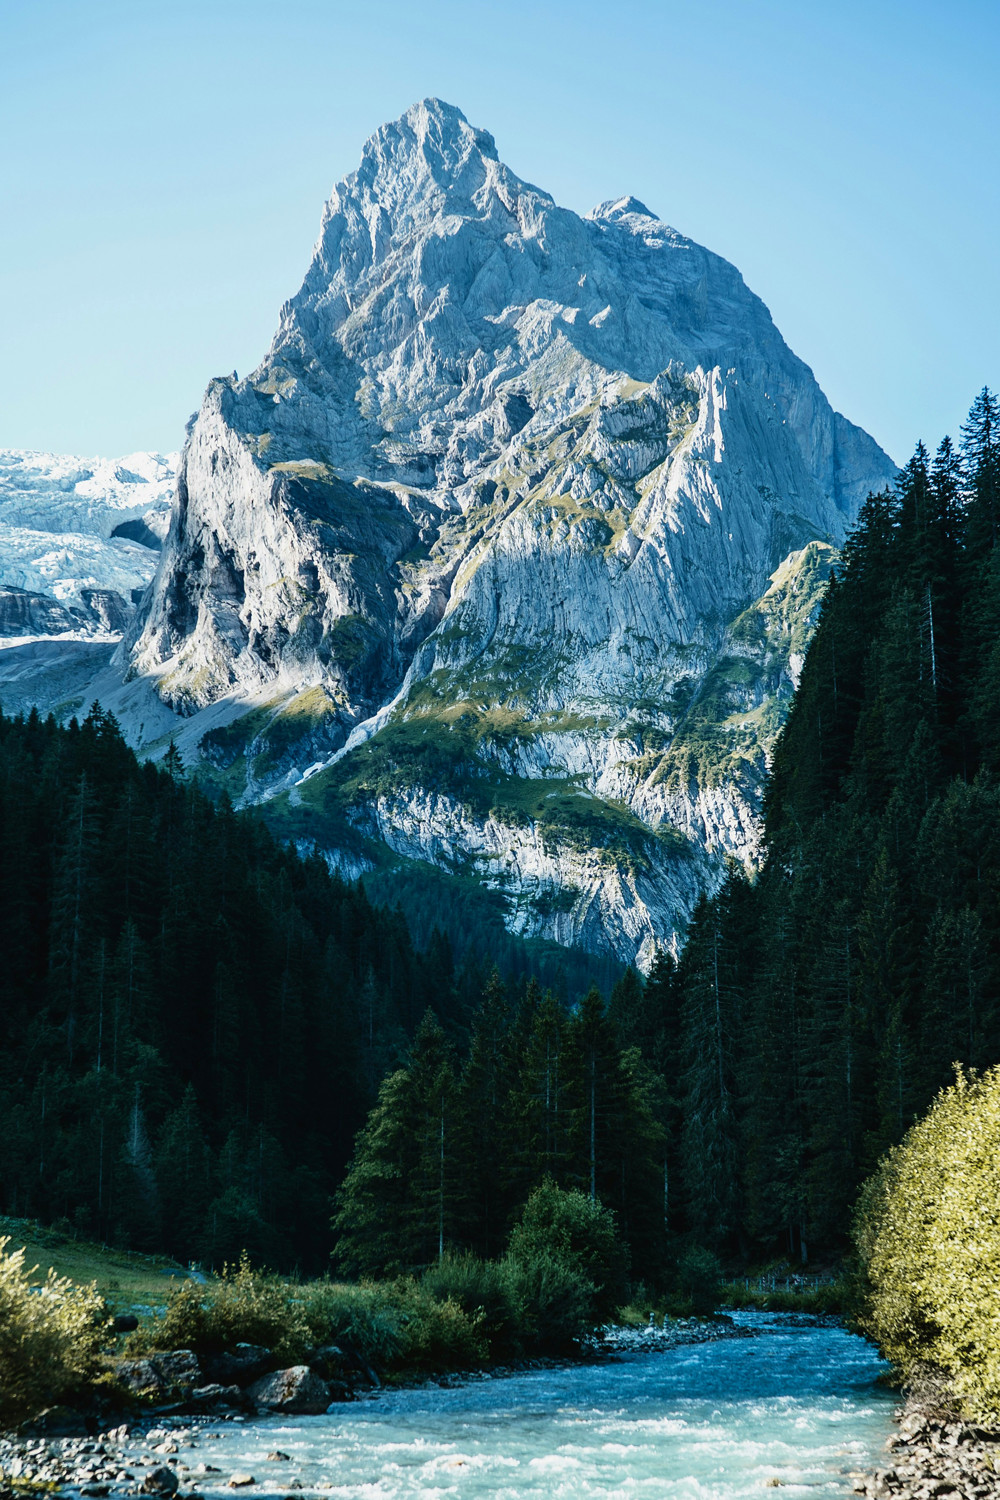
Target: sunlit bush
[[927, 1232], [50, 1335], [243, 1306]]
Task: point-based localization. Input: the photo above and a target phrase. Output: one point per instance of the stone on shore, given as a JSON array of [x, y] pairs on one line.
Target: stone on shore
[[297, 1389], [240, 1365]]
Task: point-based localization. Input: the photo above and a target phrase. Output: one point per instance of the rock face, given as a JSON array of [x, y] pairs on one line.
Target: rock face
[[80, 538], [510, 545]]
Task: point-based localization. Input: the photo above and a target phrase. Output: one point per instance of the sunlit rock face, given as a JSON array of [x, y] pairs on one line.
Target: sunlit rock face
[[532, 513]]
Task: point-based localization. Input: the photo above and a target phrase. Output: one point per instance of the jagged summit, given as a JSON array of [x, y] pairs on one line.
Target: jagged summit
[[513, 476], [408, 163], [620, 208]]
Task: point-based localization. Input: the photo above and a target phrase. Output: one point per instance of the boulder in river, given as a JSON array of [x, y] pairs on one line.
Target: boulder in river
[[139, 1376], [57, 1421], [297, 1389], [176, 1371], [332, 1362], [159, 1481], [215, 1397]]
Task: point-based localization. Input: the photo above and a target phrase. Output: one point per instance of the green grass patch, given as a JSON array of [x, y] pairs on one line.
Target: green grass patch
[[123, 1277]]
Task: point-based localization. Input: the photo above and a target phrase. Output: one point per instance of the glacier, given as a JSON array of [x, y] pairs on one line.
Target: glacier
[[79, 539]]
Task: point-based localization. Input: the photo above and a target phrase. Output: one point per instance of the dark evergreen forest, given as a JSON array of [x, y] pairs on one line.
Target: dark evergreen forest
[[197, 1023], [194, 1020]]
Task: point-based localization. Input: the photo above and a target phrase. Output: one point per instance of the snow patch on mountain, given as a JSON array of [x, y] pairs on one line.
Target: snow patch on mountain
[[70, 526]]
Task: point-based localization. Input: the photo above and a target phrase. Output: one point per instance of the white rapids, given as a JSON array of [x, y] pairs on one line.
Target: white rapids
[[796, 1407]]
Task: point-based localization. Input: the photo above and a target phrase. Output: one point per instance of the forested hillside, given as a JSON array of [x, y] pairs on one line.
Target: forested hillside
[[193, 1020]]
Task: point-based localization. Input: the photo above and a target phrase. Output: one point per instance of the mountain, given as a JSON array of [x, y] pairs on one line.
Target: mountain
[[79, 539], [502, 561]]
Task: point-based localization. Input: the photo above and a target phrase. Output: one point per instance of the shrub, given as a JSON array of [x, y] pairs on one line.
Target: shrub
[[569, 1226], [397, 1323], [927, 1233], [483, 1290], [437, 1333], [819, 1299], [554, 1304], [50, 1336], [359, 1316], [699, 1280], [243, 1306]]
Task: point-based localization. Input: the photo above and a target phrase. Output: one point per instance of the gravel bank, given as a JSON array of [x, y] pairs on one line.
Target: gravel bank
[[935, 1455]]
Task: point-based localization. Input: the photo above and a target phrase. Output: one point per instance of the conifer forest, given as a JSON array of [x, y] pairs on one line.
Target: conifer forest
[[211, 1044]]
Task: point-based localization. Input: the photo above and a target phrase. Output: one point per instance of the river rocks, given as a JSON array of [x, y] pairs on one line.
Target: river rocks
[[178, 1370], [241, 1481], [653, 1340], [241, 1365], [159, 1374], [215, 1397], [57, 1421], [160, 1481], [139, 1376], [935, 1454], [332, 1362], [297, 1389]]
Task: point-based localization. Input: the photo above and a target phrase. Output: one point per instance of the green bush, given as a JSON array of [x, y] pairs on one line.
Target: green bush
[[243, 1306], [396, 1324], [50, 1336], [699, 1280], [360, 1315], [482, 1288], [820, 1299], [566, 1225], [554, 1303], [927, 1233], [437, 1333]]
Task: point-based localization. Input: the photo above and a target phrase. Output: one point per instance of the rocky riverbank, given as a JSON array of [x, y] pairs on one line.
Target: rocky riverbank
[[936, 1454], [57, 1454]]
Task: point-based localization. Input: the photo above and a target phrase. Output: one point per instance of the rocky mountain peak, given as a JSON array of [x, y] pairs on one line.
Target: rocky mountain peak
[[525, 512]]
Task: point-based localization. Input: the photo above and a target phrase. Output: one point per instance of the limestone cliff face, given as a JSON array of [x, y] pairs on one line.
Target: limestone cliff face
[[517, 500]]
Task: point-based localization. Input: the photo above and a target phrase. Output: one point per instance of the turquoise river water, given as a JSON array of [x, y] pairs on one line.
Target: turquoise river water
[[794, 1405]]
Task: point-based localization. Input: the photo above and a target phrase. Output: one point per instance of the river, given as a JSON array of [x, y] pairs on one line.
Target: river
[[795, 1406]]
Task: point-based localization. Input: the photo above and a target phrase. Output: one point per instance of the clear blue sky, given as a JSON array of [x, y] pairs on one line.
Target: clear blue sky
[[165, 162]]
